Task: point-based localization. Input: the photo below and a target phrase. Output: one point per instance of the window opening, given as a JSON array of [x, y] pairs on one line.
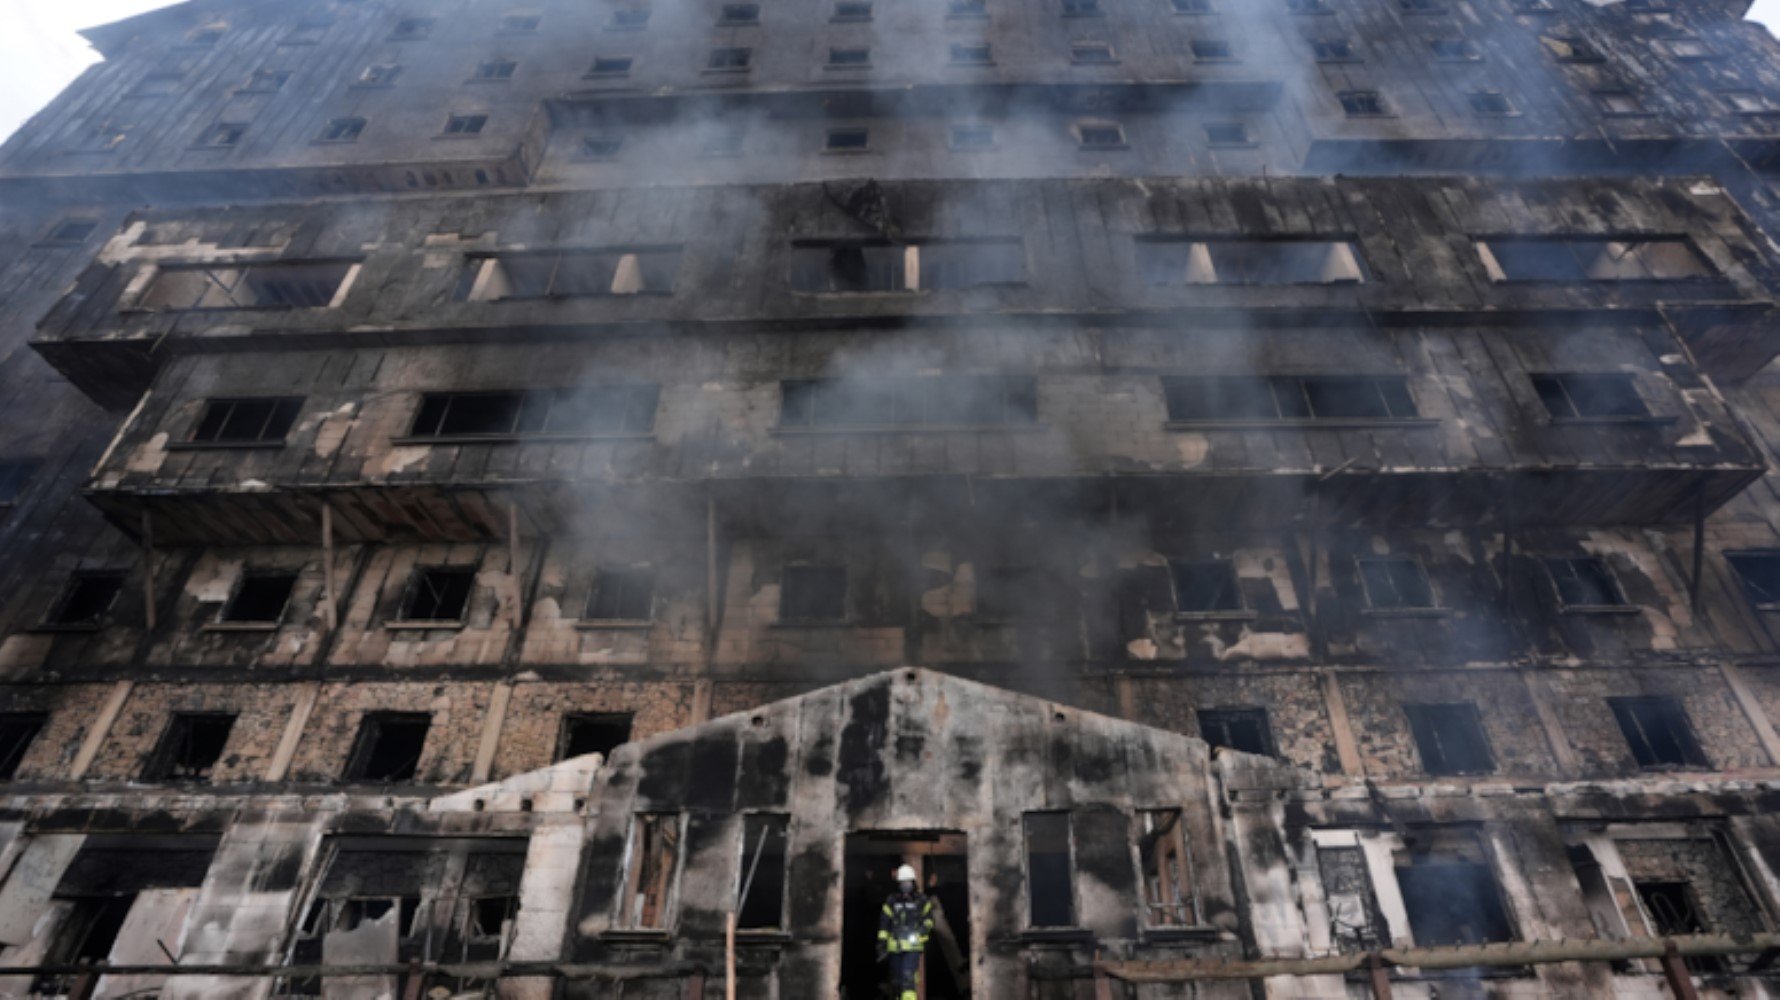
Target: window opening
[[388, 747], [439, 594], [191, 746], [1242, 729], [762, 887], [1657, 730], [592, 732], [1450, 739], [1050, 877], [813, 593], [1395, 583]]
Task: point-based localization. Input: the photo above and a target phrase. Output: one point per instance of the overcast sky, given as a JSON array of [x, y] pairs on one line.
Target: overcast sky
[[40, 52]]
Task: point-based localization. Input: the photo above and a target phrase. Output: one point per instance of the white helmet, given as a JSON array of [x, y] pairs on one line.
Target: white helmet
[[906, 874]]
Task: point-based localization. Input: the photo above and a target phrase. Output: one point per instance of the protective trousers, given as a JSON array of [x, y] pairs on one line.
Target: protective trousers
[[905, 975]]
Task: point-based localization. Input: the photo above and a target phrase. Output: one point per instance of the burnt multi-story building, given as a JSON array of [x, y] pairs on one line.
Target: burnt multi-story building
[[560, 497]]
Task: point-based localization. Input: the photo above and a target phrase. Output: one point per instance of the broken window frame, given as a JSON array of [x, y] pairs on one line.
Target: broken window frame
[[173, 758], [1584, 397], [1758, 571], [973, 53], [848, 57], [463, 124], [1218, 728], [265, 81], [1590, 259], [1163, 853], [18, 732], [1285, 400], [729, 59], [1190, 7], [1226, 597], [1486, 888], [408, 29], [229, 422], [1069, 907], [433, 588], [1228, 134], [1566, 574], [499, 70], [934, 402], [614, 410], [565, 737], [378, 75], [273, 285], [221, 135], [372, 729], [635, 586], [1212, 50], [592, 273], [342, 130], [629, 18], [57, 618], [641, 851], [1097, 136], [1363, 104], [770, 882], [1491, 104], [851, 11], [1641, 716], [847, 139], [1169, 261], [73, 942], [230, 613], [612, 67], [601, 146], [1450, 738], [520, 22], [1386, 594], [827, 601], [971, 138], [880, 267], [1333, 50]]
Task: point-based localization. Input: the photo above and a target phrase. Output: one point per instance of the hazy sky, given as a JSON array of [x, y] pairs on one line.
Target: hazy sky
[[40, 52]]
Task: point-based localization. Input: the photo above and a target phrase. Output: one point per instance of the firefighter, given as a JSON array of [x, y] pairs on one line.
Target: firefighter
[[903, 929]]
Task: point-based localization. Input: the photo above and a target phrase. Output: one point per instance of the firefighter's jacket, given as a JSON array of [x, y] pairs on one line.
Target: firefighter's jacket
[[905, 923]]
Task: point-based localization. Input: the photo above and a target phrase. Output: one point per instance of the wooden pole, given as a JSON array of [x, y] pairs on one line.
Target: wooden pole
[[1675, 970], [327, 565], [148, 567], [513, 563], [729, 921], [1379, 976]]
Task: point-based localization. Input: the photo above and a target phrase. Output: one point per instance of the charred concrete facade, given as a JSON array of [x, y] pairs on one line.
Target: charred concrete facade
[[500, 482]]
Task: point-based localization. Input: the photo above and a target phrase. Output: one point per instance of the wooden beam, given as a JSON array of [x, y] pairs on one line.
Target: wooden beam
[[1699, 547], [332, 594], [148, 568], [513, 563]]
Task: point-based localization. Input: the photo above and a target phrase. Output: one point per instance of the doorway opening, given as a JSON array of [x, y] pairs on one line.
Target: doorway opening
[[940, 859]]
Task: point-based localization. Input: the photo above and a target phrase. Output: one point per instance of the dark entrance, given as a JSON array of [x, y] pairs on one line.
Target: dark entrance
[[940, 859]]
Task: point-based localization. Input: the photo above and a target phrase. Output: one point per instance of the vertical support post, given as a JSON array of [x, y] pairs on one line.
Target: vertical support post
[[327, 565], [414, 981], [695, 986], [1379, 976], [513, 563], [711, 564], [84, 985], [148, 568], [729, 921], [1316, 539], [1699, 547], [1676, 972], [1102, 982]]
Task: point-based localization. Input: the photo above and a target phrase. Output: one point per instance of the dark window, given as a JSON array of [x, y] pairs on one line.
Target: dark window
[[1454, 49], [205, 36], [293, 285], [1657, 730], [1619, 102], [261, 597], [86, 934], [1169, 261], [1361, 103], [1101, 136], [496, 69], [1192, 6], [622, 595], [1211, 49], [1570, 49], [159, 85], [941, 400], [611, 66], [343, 130], [1450, 738], [380, 75], [1584, 582], [846, 140], [1227, 133], [654, 860], [975, 55], [1421, 6], [1759, 571], [1674, 912], [1092, 52], [1327, 397], [1592, 259], [190, 747], [438, 594], [1490, 102], [71, 231], [1309, 6], [630, 19], [570, 274], [13, 477], [223, 134], [465, 124], [409, 28], [884, 267], [613, 409], [1333, 49], [1050, 870], [729, 59], [265, 80], [592, 732], [86, 600], [17, 731], [813, 593], [1573, 396], [968, 137], [852, 10], [601, 147], [740, 13], [1395, 582], [246, 421], [490, 918], [764, 844], [1243, 729], [1205, 586], [1081, 8], [521, 23], [1002, 591], [388, 747], [1453, 903]]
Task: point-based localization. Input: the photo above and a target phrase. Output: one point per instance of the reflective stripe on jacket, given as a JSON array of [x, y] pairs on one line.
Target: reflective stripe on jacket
[[906, 923]]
